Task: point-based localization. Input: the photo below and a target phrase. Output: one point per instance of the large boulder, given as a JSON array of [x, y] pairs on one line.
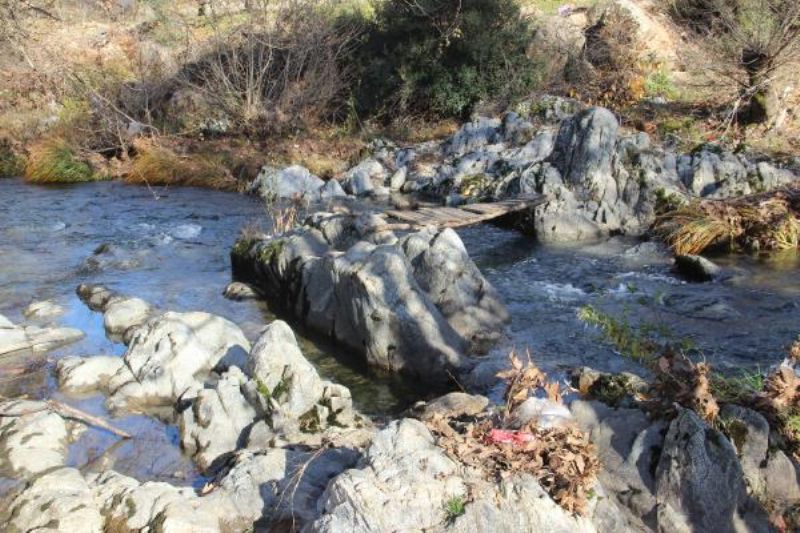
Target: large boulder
[[171, 355], [456, 287], [290, 182], [700, 485], [413, 305]]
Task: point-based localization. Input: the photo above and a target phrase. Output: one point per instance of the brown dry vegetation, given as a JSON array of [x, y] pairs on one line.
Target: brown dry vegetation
[[98, 77], [765, 221]]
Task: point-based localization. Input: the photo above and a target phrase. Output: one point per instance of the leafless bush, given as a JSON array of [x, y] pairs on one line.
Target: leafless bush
[[752, 41], [608, 72], [282, 67]]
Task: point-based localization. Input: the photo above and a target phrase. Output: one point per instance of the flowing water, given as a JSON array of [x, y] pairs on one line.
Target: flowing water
[[170, 248]]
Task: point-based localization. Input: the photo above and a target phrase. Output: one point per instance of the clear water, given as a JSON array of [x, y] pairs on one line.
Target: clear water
[[171, 249]]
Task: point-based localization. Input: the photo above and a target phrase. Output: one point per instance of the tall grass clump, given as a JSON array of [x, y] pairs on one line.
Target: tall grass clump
[[766, 221], [441, 58], [53, 160], [159, 165]]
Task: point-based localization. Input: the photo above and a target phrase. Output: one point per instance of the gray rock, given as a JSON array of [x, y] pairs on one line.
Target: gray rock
[[697, 268], [474, 135], [628, 445], [213, 424], [236, 290], [771, 177], [444, 270], [749, 432], [34, 441], [516, 130], [42, 310], [58, 500], [404, 481], [781, 479], [700, 485], [584, 152], [714, 172], [453, 405], [278, 364], [85, 374], [171, 355], [364, 177], [95, 297], [121, 313], [370, 298], [5, 323], [398, 179], [332, 189], [290, 182], [157, 506], [35, 339], [274, 485]]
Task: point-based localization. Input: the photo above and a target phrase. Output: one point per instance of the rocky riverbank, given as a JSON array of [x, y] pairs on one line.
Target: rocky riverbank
[[281, 448], [285, 449]]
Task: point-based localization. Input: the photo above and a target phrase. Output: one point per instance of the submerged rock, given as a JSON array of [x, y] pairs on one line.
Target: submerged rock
[[237, 290], [697, 268], [42, 310], [121, 314], [33, 338]]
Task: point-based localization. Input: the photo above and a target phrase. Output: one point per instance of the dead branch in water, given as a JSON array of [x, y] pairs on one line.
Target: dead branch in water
[[67, 411]]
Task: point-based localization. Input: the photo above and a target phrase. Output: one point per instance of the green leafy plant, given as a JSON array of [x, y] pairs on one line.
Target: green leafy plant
[[455, 507], [442, 57]]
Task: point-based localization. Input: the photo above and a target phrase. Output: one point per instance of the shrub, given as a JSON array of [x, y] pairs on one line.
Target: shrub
[[442, 57], [609, 72], [276, 70], [53, 160], [752, 42]]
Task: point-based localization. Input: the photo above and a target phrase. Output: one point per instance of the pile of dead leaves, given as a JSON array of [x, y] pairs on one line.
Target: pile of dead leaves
[[561, 459], [680, 380]]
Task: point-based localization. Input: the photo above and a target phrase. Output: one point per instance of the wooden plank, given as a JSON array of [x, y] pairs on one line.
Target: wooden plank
[[466, 215]]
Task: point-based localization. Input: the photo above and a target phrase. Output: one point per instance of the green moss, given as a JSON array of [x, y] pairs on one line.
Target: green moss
[[737, 388], [667, 201], [270, 250], [473, 185], [242, 246], [310, 421]]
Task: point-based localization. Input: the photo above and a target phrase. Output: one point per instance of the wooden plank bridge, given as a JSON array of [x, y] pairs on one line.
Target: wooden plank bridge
[[463, 215]]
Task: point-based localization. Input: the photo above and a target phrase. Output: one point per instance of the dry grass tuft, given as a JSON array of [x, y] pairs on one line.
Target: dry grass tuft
[[766, 221], [53, 160], [159, 165]]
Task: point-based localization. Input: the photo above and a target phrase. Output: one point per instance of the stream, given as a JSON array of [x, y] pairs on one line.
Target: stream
[[170, 248]]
